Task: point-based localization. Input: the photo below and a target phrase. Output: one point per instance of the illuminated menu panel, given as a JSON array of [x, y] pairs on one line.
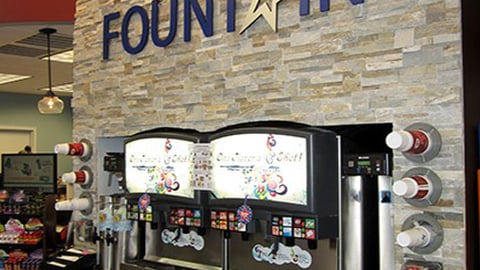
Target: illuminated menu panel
[[227, 221], [185, 217], [297, 227], [136, 213], [261, 166], [159, 165]]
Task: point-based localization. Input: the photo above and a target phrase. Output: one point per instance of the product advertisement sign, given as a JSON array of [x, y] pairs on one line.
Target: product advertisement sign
[[29, 171], [260, 166], [159, 165]]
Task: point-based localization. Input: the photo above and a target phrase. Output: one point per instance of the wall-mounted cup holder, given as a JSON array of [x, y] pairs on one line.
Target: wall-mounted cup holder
[[82, 149], [420, 187], [421, 233], [87, 195], [83, 177], [419, 142]]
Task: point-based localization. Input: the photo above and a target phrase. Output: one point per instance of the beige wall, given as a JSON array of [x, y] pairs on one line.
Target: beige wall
[[382, 61]]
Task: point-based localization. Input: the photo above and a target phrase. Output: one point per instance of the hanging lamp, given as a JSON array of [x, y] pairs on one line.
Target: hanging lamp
[[50, 103]]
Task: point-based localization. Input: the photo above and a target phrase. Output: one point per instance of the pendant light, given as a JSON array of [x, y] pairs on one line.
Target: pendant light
[[50, 103]]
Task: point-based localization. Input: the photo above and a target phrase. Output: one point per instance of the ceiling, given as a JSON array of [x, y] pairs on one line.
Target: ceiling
[[22, 47]]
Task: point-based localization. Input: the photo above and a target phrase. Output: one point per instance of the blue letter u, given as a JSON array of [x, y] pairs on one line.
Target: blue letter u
[[173, 24]]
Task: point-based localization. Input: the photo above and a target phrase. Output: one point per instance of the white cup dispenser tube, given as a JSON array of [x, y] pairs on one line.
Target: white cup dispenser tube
[[84, 204], [421, 233], [420, 187], [82, 149], [418, 142], [82, 177]]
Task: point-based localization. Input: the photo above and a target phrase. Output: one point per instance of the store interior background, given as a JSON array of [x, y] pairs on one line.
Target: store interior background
[[20, 110], [18, 100]]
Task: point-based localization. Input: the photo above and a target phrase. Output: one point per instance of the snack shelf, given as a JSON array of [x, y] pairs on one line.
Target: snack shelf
[[29, 225]]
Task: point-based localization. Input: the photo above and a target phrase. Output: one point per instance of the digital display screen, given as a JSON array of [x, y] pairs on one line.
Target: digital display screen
[[363, 163], [30, 171], [160, 166], [260, 166]]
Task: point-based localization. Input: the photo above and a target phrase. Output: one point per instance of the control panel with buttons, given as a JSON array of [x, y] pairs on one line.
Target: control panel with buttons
[[366, 164], [297, 227]]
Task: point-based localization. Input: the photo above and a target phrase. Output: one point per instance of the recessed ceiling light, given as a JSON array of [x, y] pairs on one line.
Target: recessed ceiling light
[[60, 88], [8, 78], [66, 57]]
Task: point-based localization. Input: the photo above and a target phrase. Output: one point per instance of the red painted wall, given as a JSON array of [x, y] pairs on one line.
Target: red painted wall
[[17, 11]]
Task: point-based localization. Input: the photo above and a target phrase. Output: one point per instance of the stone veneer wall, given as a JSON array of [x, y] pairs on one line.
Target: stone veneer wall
[[381, 61]]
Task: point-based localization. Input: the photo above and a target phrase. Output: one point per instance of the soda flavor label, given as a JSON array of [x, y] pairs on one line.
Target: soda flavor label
[[185, 216], [284, 255], [179, 239]]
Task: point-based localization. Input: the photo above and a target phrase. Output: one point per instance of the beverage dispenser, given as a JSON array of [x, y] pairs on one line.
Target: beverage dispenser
[[275, 195], [169, 214]]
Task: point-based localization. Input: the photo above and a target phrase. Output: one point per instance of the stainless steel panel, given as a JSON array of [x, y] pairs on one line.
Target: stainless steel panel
[[386, 224], [152, 241], [121, 247], [130, 266], [105, 249], [130, 242], [105, 252], [351, 235], [324, 257], [226, 254], [209, 256]]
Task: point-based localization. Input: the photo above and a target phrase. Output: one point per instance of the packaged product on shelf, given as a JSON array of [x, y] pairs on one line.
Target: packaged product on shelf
[[3, 195]]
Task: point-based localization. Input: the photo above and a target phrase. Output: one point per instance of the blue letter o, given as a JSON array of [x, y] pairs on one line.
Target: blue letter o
[[144, 37]]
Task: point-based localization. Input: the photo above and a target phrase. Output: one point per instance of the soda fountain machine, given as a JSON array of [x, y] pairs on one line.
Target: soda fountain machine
[[275, 195], [261, 195], [169, 215]]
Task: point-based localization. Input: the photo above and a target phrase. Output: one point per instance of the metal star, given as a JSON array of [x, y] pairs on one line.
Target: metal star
[[269, 12]]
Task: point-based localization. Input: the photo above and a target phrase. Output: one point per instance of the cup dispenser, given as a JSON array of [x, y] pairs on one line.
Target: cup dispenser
[[418, 142], [83, 177], [421, 233], [420, 187], [82, 149], [366, 218]]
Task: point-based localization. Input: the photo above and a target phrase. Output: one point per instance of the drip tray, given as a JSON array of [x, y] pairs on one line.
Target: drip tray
[[153, 262]]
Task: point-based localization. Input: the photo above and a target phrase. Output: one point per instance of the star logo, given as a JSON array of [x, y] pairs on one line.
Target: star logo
[[269, 12]]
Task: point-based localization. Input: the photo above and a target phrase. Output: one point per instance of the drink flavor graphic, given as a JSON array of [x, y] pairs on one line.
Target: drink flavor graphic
[[267, 167], [282, 255], [160, 166], [179, 239]]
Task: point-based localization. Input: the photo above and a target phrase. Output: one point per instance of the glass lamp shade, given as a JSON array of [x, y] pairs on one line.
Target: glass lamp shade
[[50, 104]]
